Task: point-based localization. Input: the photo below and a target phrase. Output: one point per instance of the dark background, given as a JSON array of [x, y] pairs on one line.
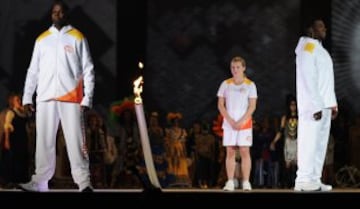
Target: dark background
[[190, 45], [186, 47]]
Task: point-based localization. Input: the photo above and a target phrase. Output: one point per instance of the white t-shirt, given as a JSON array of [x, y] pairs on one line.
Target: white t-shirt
[[236, 97]]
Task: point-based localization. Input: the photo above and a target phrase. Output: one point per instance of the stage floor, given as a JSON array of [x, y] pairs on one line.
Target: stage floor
[[192, 190], [183, 197]]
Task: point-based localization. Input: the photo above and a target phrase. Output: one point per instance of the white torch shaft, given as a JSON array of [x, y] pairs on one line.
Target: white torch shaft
[[150, 168]]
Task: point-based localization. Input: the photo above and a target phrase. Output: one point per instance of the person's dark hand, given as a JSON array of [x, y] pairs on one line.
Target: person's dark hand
[[85, 108], [318, 115], [334, 112], [28, 109]]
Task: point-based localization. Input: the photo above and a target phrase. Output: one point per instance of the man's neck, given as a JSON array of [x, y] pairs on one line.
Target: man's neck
[[60, 25]]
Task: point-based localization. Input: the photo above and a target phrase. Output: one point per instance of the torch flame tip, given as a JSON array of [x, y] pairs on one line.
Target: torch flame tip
[[138, 89]]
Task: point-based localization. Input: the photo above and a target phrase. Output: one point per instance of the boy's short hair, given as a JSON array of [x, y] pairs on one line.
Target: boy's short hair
[[239, 59]]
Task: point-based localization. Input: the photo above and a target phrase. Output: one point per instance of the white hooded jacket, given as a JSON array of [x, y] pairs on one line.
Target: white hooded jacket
[[314, 77], [61, 68]]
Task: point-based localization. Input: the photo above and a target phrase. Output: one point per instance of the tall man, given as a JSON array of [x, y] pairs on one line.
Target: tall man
[[317, 105], [61, 71]]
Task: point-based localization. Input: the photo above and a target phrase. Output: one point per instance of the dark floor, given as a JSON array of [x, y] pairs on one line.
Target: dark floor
[[210, 198]]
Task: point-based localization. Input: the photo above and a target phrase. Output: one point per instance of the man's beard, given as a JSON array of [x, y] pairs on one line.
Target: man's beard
[[60, 23]]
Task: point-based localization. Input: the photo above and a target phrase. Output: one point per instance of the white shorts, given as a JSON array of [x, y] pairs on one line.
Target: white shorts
[[238, 137]]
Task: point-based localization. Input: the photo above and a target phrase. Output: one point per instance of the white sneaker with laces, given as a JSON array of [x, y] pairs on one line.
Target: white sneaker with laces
[[229, 186], [325, 187], [246, 186], [32, 186], [307, 187]]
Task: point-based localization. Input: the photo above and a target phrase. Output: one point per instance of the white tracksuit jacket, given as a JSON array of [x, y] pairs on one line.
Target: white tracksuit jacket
[[61, 66], [315, 92], [314, 77]]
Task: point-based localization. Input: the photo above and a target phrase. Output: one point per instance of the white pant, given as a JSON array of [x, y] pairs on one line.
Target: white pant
[[312, 142], [48, 116]]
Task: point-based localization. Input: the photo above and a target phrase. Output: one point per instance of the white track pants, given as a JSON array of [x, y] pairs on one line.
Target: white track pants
[[48, 116], [313, 137]]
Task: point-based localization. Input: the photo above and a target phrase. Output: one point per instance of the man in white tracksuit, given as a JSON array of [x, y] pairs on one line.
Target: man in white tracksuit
[[317, 105], [61, 71]]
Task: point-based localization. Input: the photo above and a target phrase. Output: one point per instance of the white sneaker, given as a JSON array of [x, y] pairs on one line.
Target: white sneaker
[[325, 187], [307, 187], [32, 186], [229, 186], [246, 186]]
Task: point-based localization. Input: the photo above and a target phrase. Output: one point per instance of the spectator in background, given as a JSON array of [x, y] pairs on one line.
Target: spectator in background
[[15, 164]]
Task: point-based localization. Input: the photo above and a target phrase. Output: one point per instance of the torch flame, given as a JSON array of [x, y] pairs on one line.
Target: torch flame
[[138, 89], [141, 65]]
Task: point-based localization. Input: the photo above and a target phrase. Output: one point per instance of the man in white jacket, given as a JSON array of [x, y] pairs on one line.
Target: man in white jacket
[[317, 105], [61, 71]]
